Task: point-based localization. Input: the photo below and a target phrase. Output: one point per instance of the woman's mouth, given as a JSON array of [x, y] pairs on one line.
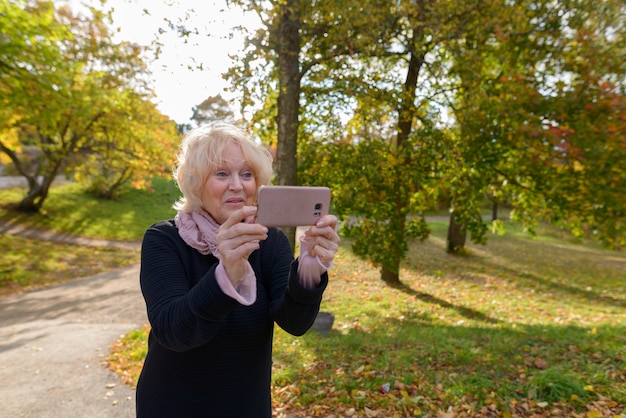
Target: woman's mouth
[[235, 201]]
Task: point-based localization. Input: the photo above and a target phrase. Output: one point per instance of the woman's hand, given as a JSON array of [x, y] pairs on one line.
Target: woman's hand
[[237, 239], [323, 239]]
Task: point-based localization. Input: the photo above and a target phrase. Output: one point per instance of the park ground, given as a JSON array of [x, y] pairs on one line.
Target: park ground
[[460, 336]]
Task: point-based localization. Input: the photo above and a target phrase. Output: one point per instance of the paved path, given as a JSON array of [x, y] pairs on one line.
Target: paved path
[[53, 343]]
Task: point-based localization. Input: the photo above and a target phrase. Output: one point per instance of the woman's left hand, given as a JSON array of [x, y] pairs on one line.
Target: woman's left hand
[[323, 239]]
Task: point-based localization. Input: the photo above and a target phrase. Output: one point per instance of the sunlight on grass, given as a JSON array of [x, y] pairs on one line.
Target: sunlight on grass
[[522, 326], [69, 209], [27, 263], [128, 354]]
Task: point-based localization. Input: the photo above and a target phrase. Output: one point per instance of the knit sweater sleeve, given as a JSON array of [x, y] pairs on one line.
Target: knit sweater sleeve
[[294, 307], [183, 315]]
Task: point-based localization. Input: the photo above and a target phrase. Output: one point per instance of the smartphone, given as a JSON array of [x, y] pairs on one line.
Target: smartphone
[[291, 205]]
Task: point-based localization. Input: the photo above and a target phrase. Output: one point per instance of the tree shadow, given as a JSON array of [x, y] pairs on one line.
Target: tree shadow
[[502, 259], [466, 312]]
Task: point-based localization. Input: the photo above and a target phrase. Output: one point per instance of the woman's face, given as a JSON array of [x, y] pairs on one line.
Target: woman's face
[[230, 186]]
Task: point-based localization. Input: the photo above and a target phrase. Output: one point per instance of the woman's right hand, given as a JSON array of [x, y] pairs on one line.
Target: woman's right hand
[[237, 238]]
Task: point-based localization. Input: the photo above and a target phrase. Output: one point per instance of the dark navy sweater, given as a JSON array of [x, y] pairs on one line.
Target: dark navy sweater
[[208, 355]]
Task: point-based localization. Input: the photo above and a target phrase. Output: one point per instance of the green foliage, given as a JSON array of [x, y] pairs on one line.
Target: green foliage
[[537, 115], [381, 195], [554, 385], [519, 102], [79, 98], [131, 144]]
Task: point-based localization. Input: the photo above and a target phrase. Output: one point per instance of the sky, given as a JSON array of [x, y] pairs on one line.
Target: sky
[[177, 87]]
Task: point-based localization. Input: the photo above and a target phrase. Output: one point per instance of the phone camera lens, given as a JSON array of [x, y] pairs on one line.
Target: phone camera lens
[[318, 206]]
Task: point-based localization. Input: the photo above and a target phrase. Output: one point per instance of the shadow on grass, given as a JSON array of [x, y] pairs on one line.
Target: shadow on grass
[[453, 363], [466, 312], [70, 209], [564, 271]]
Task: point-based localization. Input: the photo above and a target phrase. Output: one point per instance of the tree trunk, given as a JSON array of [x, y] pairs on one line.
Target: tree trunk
[[37, 194], [288, 96], [494, 211], [456, 236], [406, 113], [38, 190], [390, 277]]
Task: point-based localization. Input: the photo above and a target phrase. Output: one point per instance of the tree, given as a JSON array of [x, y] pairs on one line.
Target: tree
[[375, 81], [213, 108], [406, 73], [516, 112], [28, 53], [348, 39], [56, 99], [283, 21], [130, 145]]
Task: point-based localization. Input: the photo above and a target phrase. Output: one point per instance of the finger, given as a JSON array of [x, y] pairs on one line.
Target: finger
[[327, 220], [326, 254], [240, 252], [321, 242], [240, 215], [240, 234], [241, 229], [327, 232]]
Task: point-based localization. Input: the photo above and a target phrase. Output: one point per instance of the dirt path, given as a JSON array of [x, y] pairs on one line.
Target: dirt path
[[53, 343]]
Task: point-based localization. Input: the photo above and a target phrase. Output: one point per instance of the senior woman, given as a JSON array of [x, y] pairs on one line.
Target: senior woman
[[215, 282]]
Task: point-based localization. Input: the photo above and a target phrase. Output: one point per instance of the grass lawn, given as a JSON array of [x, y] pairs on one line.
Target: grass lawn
[[69, 209], [27, 263], [520, 327]]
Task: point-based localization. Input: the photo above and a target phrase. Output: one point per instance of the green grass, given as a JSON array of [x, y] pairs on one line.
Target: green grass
[[69, 209], [128, 354], [28, 263], [520, 327]]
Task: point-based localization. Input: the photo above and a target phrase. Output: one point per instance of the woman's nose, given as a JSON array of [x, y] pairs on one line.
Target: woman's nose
[[235, 183]]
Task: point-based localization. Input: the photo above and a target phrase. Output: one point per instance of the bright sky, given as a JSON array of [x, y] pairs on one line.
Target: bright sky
[[177, 87]]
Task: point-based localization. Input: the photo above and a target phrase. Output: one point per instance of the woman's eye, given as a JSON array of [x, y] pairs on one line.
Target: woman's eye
[[221, 174], [247, 175]]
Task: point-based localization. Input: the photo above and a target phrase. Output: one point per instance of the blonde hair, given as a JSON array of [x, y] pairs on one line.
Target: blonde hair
[[202, 150]]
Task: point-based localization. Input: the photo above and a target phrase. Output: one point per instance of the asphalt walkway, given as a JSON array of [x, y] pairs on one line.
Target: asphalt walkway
[[53, 344], [54, 341]]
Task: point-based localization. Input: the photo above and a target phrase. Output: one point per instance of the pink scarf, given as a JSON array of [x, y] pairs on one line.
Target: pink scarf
[[199, 231]]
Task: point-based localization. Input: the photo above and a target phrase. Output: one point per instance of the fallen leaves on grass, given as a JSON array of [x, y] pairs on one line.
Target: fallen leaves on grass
[[127, 355]]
